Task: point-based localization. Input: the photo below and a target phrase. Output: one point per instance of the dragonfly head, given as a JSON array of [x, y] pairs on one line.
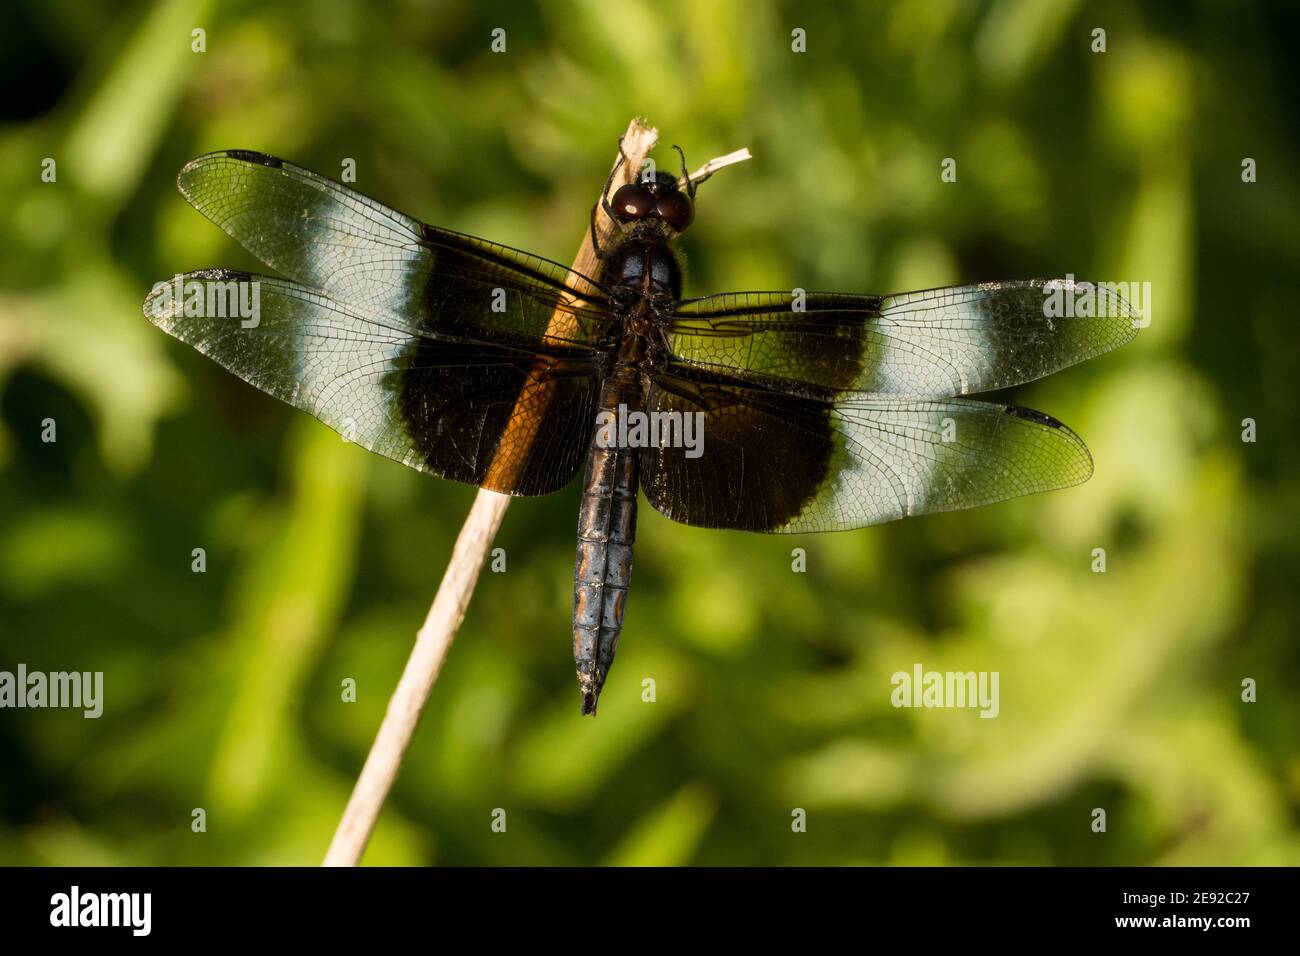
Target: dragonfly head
[[653, 199]]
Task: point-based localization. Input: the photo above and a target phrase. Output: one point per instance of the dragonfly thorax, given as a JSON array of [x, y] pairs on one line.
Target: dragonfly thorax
[[642, 269]]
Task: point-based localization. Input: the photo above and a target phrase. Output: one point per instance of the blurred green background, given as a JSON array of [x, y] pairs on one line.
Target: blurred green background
[[1119, 690]]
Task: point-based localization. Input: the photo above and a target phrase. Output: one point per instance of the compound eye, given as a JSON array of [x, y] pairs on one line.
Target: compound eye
[[632, 201], [676, 210]]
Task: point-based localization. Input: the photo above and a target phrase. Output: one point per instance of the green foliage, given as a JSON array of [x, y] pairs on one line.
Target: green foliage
[[1119, 690]]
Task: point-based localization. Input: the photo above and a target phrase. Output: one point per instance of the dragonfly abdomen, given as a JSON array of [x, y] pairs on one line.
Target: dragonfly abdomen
[[606, 532]]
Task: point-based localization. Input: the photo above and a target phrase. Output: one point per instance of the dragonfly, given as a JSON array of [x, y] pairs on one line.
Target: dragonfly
[[778, 412]]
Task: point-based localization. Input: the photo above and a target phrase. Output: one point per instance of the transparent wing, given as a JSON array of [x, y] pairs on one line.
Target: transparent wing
[[356, 250], [512, 419], [934, 344], [774, 462]]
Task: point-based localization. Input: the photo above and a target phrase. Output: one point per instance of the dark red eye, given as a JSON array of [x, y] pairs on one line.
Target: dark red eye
[[676, 209], [632, 201]]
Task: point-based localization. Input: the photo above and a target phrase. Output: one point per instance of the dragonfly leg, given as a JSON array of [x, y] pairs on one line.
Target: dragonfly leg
[[604, 198], [686, 173]]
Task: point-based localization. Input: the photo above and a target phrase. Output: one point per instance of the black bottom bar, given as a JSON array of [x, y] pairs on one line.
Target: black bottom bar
[[213, 906]]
